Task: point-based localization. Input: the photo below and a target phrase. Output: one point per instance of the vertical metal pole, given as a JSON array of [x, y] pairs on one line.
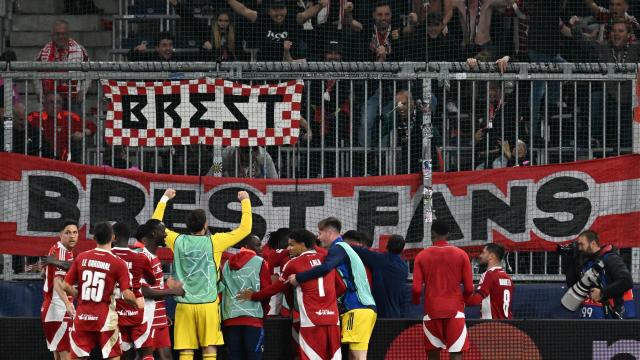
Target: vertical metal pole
[[84, 123], [380, 125], [351, 128], [54, 117], [473, 125], [26, 113], [99, 125], [8, 119], [545, 127], [444, 129], [458, 127], [409, 127], [575, 121], [604, 119], [635, 264], [322, 125], [618, 132], [560, 125], [337, 128], [309, 124], [40, 122], [502, 122], [489, 125], [394, 132], [427, 180], [517, 121], [531, 137], [366, 126], [7, 272], [635, 140], [589, 127]]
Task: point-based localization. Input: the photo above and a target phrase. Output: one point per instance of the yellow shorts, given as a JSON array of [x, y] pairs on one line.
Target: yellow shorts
[[357, 326], [197, 325]]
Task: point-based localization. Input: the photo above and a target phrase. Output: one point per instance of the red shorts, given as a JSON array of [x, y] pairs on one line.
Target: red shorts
[[82, 342], [57, 335], [320, 342], [136, 336], [446, 334], [160, 337]]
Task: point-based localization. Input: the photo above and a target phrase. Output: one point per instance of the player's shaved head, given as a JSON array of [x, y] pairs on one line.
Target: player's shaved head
[[196, 220], [103, 233]]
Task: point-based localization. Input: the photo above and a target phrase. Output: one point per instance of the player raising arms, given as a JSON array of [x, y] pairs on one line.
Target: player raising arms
[[316, 300], [135, 328], [439, 270], [495, 290], [55, 321], [152, 235], [196, 261], [97, 272]]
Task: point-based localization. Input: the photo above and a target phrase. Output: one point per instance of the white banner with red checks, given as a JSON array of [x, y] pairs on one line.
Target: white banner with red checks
[[202, 111]]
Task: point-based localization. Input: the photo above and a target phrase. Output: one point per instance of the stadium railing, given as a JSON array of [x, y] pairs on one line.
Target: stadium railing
[[449, 106]]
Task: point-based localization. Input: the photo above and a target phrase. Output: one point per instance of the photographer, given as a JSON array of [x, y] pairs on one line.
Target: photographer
[[609, 293]]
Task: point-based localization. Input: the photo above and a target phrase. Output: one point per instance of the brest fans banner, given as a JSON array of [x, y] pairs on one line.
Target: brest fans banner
[[525, 208], [201, 111]]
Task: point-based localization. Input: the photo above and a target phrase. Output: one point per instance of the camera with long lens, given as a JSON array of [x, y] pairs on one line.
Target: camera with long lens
[[579, 291]]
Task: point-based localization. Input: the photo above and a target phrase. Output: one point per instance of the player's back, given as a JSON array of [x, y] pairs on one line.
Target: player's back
[[157, 305], [138, 264], [97, 273], [498, 287], [443, 268], [316, 298]]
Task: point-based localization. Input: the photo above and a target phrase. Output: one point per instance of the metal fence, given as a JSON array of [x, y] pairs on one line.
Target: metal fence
[[361, 119]]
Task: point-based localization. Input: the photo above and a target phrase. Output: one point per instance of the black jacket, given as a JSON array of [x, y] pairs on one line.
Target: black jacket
[[617, 275]]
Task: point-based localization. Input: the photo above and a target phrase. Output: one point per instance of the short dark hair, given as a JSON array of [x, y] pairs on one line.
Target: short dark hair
[[302, 236], [395, 245], [103, 233], [246, 242], [495, 249], [381, 4], [625, 22], [591, 236], [196, 220], [145, 230], [332, 222], [164, 35], [278, 239], [121, 231], [68, 222], [359, 237], [440, 228]]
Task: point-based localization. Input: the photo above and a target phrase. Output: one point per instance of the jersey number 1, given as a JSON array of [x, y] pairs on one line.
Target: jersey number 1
[[92, 285]]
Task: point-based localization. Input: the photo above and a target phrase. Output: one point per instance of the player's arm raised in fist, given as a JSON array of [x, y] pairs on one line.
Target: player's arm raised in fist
[[170, 193], [242, 195]]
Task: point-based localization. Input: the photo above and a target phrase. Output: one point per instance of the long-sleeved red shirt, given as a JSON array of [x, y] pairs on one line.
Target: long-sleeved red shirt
[[439, 270]]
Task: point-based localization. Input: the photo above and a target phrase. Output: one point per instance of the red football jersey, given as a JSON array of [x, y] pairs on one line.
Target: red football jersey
[[97, 272], [440, 269], [139, 265], [157, 306], [53, 308], [316, 299], [496, 289]]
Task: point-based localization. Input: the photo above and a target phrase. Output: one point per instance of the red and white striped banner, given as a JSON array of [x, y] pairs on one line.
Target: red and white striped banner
[[202, 111]]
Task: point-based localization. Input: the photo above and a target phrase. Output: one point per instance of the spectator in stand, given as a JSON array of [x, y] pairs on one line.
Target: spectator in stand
[[618, 9], [545, 19], [390, 273], [242, 321], [381, 35], [26, 136], [478, 34], [272, 30], [443, 9], [189, 29], [439, 46], [54, 122], [223, 45], [62, 48], [164, 50], [247, 162], [617, 49]]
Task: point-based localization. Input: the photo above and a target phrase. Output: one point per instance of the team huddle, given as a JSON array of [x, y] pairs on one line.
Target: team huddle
[[324, 283]]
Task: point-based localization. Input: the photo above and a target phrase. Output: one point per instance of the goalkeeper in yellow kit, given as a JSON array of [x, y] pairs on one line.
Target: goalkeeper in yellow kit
[[196, 263]]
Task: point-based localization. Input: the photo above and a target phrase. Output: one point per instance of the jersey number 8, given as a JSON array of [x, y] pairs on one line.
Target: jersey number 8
[[506, 300], [92, 285]]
